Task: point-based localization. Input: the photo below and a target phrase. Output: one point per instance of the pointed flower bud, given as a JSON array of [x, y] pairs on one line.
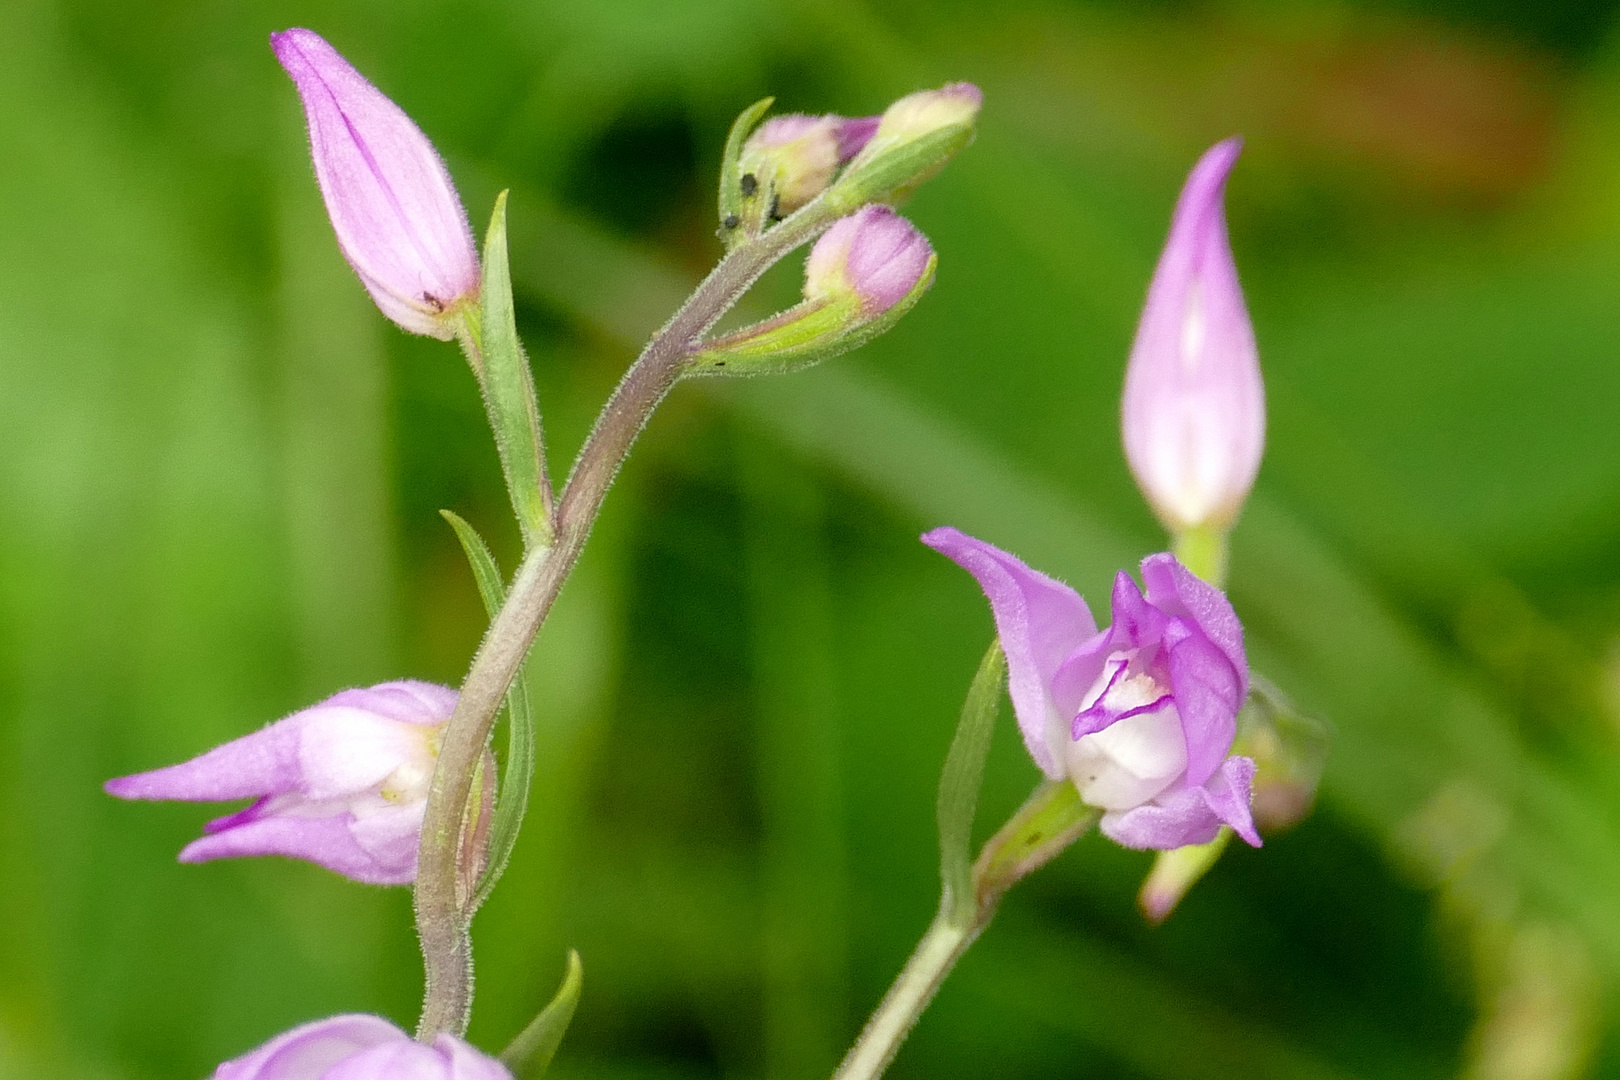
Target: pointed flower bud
[[873, 254], [915, 137], [398, 218], [791, 159], [1194, 411], [359, 1046], [343, 784], [862, 276], [1140, 716]]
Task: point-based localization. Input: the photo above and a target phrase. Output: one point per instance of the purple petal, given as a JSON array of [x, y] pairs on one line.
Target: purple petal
[[1193, 413], [393, 206], [1137, 623], [1208, 693], [325, 841], [1189, 815], [1041, 622], [264, 763], [1230, 792], [874, 253], [1177, 591], [854, 133], [307, 1051]]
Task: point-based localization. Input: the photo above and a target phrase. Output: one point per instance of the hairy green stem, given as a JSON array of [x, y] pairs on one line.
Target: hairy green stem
[[1051, 819], [936, 954], [442, 924]]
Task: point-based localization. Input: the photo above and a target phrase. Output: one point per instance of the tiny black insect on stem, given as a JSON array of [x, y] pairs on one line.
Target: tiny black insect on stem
[[730, 222], [750, 183]]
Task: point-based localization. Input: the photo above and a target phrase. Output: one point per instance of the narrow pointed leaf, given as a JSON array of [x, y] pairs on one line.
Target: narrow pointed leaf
[[513, 802], [486, 572], [530, 1054], [509, 397], [960, 781], [731, 195]]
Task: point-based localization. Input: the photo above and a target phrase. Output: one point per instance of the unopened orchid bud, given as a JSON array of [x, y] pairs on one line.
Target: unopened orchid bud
[[1194, 411], [359, 1046], [862, 276], [1140, 717], [343, 784], [914, 139], [873, 254], [398, 219], [789, 160]]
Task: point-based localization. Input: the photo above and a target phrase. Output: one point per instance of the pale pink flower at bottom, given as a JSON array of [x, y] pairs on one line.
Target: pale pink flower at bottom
[[360, 1047], [1140, 716]]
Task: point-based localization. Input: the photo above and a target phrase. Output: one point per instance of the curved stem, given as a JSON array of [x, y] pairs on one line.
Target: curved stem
[[936, 954], [1051, 819], [441, 922]]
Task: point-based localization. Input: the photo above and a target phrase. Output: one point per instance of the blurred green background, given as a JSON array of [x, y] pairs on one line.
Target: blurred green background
[[219, 471]]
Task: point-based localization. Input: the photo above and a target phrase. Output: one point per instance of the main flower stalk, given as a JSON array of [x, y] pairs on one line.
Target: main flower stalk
[[441, 922]]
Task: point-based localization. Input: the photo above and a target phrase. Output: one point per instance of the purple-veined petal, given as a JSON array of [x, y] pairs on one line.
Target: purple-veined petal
[[1041, 622]]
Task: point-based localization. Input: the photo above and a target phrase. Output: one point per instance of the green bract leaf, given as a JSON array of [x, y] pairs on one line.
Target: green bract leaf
[[802, 336], [486, 572], [731, 194], [890, 176], [508, 385], [1049, 821], [513, 802], [530, 1054], [960, 781]]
